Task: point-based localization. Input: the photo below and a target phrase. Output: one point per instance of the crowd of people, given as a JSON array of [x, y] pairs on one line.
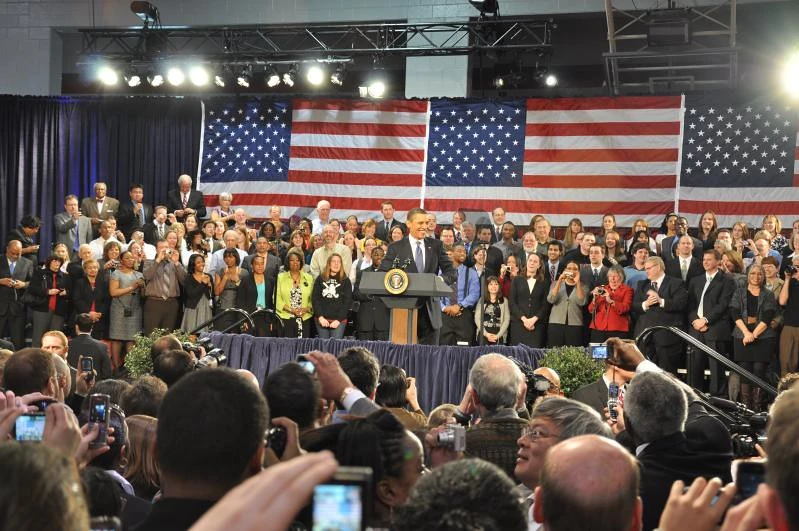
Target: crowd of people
[[133, 268], [211, 449]]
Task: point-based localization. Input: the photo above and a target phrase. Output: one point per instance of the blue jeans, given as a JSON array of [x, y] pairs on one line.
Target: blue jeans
[[335, 333]]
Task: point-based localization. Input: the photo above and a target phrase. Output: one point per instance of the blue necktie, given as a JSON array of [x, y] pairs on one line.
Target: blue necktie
[[418, 258], [13, 265]]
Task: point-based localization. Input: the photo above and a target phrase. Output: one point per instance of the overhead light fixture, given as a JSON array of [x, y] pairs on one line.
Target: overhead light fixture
[[315, 75], [155, 79], [551, 80], [199, 76], [147, 12], [175, 76], [244, 78], [132, 77], [376, 82], [338, 76], [271, 76], [668, 27], [290, 77], [107, 75], [220, 80], [499, 82], [486, 7], [790, 75]]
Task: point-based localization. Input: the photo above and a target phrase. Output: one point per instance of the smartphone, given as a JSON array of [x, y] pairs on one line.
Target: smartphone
[[30, 427], [105, 523], [306, 364], [87, 364], [599, 351], [99, 410], [276, 439], [750, 475], [343, 502]]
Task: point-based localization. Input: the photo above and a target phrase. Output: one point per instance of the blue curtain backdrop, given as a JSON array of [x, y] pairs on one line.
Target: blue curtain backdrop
[[51, 147]]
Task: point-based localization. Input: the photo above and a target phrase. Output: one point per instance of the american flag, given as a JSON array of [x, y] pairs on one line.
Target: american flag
[[564, 158], [739, 161]]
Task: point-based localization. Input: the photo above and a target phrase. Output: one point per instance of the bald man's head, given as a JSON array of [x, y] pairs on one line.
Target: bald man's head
[[554, 380], [589, 482]]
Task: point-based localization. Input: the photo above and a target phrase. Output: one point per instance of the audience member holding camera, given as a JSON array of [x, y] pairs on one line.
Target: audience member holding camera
[[397, 393], [567, 296], [789, 336], [163, 277], [610, 307]]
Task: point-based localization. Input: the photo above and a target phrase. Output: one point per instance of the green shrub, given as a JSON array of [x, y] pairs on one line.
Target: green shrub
[[137, 361], [574, 366]]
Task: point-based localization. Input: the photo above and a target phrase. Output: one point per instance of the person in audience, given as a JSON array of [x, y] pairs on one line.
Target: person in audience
[[198, 294], [467, 493], [771, 224], [441, 416], [257, 292], [71, 227], [15, 277], [104, 495], [144, 397], [458, 310], [394, 454], [397, 393], [158, 227], [610, 307], [708, 316], [477, 260], [134, 213], [223, 212], [595, 272], [528, 306], [227, 410], [365, 261], [142, 471], [49, 286], [110, 259], [494, 383], [125, 287], [384, 225], [372, 319], [589, 482], [368, 230], [185, 201], [363, 370], [145, 250], [322, 216], [430, 226], [543, 235], [217, 262], [497, 221], [353, 225], [655, 413], [669, 245], [581, 253], [40, 489], [349, 240], [608, 225], [106, 234], [789, 336], [84, 344], [507, 244], [552, 420], [492, 315], [331, 298], [293, 297], [553, 264], [640, 225], [331, 246], [595, 394], [614, 252], [685, 265], [60, 250], [567, 296], [660, 300], [789, 252], [733, 265], [163, 277], [89, 295], [741, 235], [31, 370], [707, 229], [667, 230], [494, 259], [752, 309], [172, 365], [397, 233], [294, 393], [574, 227], [99, 207], [226, 288], [529, 245]]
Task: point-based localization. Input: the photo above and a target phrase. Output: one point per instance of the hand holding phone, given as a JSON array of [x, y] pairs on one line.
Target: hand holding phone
[[99, 411]]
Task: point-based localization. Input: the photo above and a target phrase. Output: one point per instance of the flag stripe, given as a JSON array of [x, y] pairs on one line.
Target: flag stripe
[[604, 129], [369, 179], [411, 106], [339, 153], [360, 117], [573, 104], [600, 155], [250, 189], [592, 142], [355, 166], [344, 205], [360, 129], [643, 169], [591, 208], [599, 181]]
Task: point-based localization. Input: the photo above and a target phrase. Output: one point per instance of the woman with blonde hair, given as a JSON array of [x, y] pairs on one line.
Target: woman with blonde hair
[[574, 227]]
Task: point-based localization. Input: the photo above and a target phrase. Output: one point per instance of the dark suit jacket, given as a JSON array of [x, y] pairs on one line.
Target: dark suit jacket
[[128, 221], [41, 282], [247, 294], [380, 229], [672, 313], [10, 297], [716, 305], [435, 260], [523, 302], [86, 345], [196, 201], [18, 234], [83, 295], [694, 268], [594, 395], [151, 232], [88, 207], [667, 243], [676, 457], [372, 313], [493, 261], [587, 276]]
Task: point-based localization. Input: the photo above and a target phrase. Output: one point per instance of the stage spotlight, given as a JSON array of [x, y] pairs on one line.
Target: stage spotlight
[[147, 12], [154, 79], [315, 75], [790, 75], [377, 83], [290, 77], [272, 77], [338, 76], [132, 78], [175, 76], [551, 80], [199, 76], [244, 79], [219, 80], [499, 82], [107, 75]]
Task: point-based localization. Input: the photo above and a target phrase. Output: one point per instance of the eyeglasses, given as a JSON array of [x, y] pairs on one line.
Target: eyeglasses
[[535, 433]]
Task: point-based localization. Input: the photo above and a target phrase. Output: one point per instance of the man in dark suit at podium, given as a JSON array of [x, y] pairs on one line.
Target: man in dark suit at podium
[[425, 255]]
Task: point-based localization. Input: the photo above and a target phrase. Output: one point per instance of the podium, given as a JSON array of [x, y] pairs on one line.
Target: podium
[[405, 307]]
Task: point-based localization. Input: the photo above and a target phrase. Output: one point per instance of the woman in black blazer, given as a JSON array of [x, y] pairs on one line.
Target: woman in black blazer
[[255, 292], [49, 286], [528, 305], [90, 295]]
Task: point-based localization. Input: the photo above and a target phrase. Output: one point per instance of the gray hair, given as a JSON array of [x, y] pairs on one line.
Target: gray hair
[[619, 270], [467, 224], [655, 405], [573, 418], [495, 379], [226, 195], [658, 261], [183, 178]]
